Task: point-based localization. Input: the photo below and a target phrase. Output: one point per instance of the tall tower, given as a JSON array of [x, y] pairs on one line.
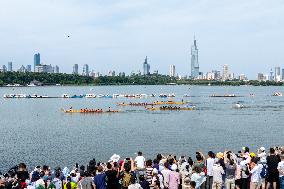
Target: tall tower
[[86, 70], [146, 67], [10, 66], [226, 73], [194, 61], [172, 70], [36, 60]]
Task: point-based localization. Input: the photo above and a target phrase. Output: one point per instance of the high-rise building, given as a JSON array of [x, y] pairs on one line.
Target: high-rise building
[[10, 66], [282, 75], [277, 76], [242, 77], [36, 60], [29, 68], [85, 70], [260, 77], [75, 69], [172, 71], [56, 69], [217, 74], [194, 61], [4, 68], [146, 67], [226, 74], [271, 75]]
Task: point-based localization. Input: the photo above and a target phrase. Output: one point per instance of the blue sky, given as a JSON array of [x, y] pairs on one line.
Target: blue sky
[[117, 35]]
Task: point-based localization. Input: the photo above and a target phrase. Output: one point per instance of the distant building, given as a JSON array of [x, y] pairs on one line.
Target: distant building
[[156, 72], [85, 70], [111, 73], [277, 75], [75, 69], [217, 74], [242, 77], [146, 67], [282, 75], [260, 77], [194, 61], [22, 69], [36, 61], [121, 74], [56, 69], [10, 67], [226, 74], [172, 71], [42, 68], [210, 76], [271, 78], [4, 68], [29, 68]]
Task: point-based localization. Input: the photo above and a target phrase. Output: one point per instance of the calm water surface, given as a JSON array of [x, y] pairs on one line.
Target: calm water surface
[[36, 131]]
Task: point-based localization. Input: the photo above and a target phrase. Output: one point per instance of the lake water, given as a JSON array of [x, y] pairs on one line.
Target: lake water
[[36, 131]]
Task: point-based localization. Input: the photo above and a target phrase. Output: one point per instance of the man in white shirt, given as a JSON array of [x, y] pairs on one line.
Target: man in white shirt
[[140, 161], [280, 168], [209, 165]]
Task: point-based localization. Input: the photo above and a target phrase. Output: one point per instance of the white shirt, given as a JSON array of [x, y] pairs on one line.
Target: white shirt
[[217, 173], [255, 174], [210, 163], [134, 186], [280, 168], [140, 162]]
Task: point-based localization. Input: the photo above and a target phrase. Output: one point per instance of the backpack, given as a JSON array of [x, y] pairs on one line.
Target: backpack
[[264, 172], [126, 180]]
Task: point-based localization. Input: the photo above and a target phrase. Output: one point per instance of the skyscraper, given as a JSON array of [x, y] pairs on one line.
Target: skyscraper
[[36, 60], [172, 70], [56, 69], [10, 66], [146, 67], [75, 69], [277, 76], [194, 61], [85, 70], [226, 74], [4, 68], [271, 75], [282, 74]]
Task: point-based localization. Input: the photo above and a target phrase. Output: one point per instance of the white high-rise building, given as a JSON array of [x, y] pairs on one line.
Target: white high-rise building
[[75, 69], [86, 70], [277, 75], [172, 71], [226, 74]]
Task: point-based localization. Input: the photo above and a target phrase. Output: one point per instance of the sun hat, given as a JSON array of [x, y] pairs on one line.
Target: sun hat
[[174, 167], [114, 158], [186, 180], [252, 154], [220, 155], [262, 148]]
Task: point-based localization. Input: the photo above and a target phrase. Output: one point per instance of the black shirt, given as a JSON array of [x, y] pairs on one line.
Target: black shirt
[[272, 163]]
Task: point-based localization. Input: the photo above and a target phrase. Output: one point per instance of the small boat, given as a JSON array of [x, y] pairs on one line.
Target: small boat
[[77, 96], [277, 94], [226, 95], [169, 102], [90, 96], [9, 95], [20, 96], [172, 95], [238, 105], [163, 96], [65, 96]]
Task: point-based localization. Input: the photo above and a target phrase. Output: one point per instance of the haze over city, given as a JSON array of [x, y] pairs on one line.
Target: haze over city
[[117, 35]]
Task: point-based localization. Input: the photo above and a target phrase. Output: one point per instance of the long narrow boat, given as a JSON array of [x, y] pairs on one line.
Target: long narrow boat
[[169, 109], [90, 111], [152, 103]]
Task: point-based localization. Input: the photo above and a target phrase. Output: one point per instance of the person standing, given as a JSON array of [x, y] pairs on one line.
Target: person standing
[[209, 165], [255, 174], [99, 179], [218, 171], [174, 178], [230, 174], [280, 168], [273, 174]]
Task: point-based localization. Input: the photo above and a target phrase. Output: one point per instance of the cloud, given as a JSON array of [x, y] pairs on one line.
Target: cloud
[[117, 35]]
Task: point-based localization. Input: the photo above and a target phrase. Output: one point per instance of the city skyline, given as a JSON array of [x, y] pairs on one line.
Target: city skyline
[[115, 35]]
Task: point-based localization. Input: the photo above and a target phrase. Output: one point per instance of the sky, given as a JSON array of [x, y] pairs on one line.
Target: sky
[[118, 34]]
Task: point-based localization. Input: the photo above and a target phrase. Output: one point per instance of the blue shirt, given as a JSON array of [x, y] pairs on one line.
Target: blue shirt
[[100, 181]]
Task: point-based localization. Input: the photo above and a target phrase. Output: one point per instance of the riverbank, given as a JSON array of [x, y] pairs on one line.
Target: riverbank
[[17, 79]]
